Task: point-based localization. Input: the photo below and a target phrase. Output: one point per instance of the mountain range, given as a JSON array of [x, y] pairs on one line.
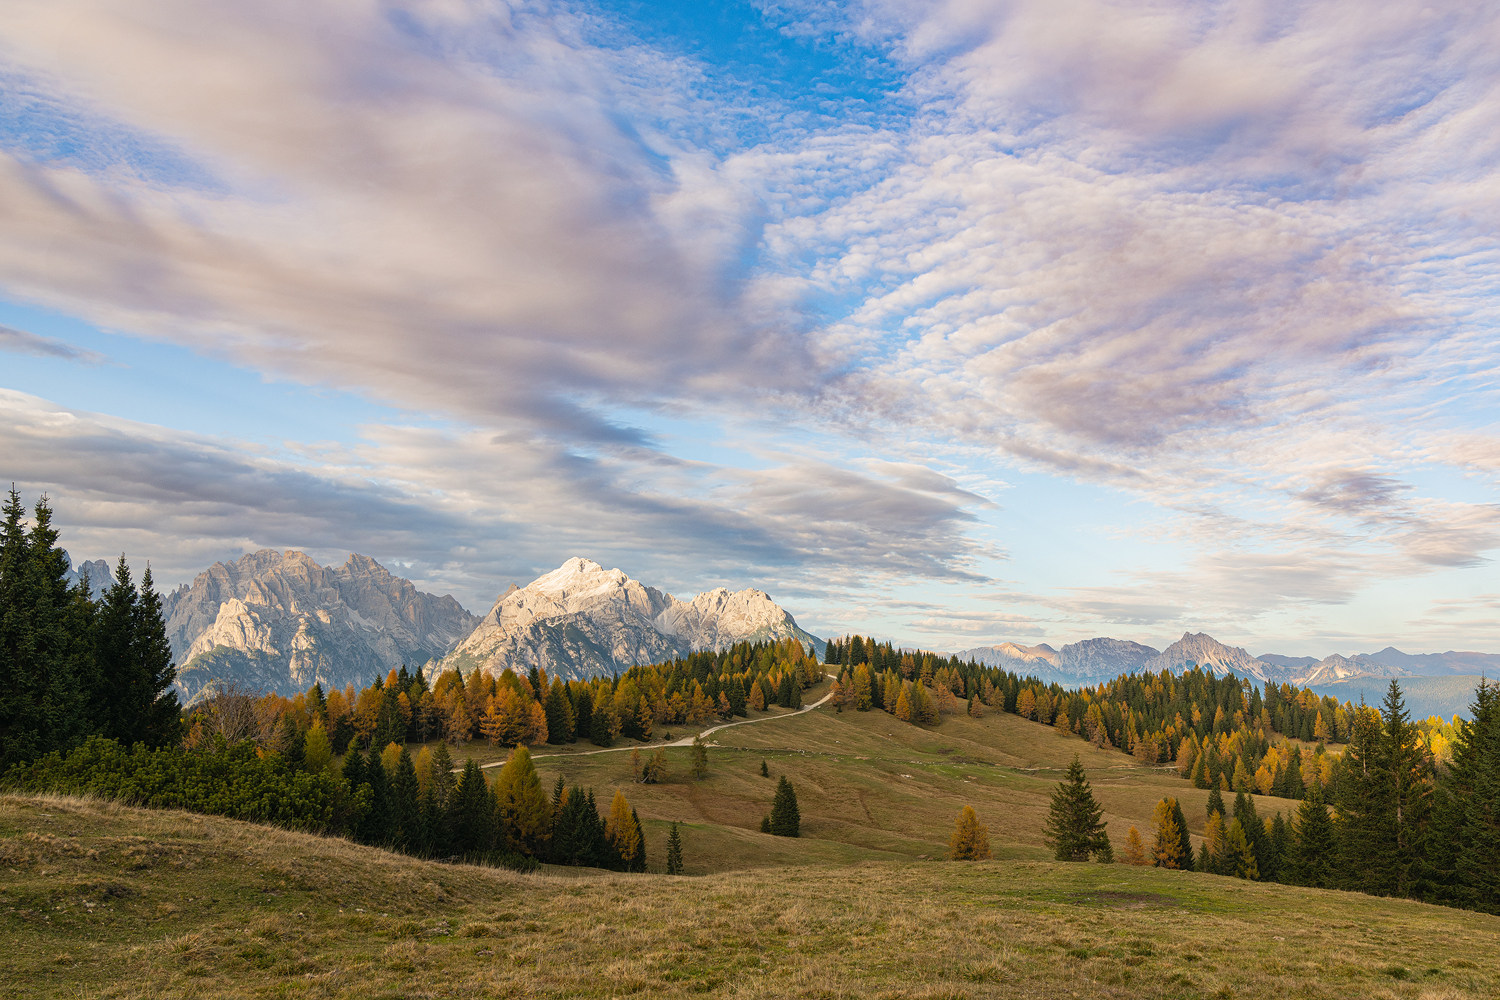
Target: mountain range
[[582, 619], [278, 621], [1094, 660]]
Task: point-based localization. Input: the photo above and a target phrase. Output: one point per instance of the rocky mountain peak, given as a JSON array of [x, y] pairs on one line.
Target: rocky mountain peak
[[582, 619]]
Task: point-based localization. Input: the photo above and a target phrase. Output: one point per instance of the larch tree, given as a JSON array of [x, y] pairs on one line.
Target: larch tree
[[700, 758], [1166, 850], [1135, 849], [525, 814], [971, 838], [1074, 828], [623, 832]]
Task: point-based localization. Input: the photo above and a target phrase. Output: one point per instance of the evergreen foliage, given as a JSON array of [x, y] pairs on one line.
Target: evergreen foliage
[[1074, 829], [674, 852], [785, 819]]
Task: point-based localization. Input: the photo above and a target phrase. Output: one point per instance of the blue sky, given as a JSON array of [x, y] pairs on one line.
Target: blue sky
[[955, 323]]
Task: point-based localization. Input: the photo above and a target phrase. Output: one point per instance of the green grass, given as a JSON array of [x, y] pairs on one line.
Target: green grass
[[101, 900]]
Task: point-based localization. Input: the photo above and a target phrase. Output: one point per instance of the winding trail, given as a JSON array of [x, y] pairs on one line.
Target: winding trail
[[686, 741]]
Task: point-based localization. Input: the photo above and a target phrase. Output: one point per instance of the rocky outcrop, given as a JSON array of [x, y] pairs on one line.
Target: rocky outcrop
[[278, 621], [1203, 650], [582, 620], [99, 572]]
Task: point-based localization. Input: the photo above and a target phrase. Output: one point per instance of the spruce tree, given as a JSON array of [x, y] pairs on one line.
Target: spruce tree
[[601, 724], [1255, 830], [158, 713], [1215, 802], [379, 824], [674, 852], [559, 714], [1466, 842], [765, 772], [1312, 860], [786, 819], [406, 805], [1074, 830]]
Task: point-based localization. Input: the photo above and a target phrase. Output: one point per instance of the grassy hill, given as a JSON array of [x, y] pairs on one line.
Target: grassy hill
[[871, 788], [100, 900]]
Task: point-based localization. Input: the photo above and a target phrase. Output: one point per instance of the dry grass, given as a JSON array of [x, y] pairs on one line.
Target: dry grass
[[106, 901]]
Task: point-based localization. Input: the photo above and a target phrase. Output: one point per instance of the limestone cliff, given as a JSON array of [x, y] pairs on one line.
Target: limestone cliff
[[278, 621], [582, 619]]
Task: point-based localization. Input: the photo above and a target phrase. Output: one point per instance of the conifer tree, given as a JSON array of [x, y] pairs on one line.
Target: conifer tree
[[623, 832], [158, 713], [405, 797], [603, 725], [765, 772], [1312, 851], [1255, 830], [1279, 842], [1213, 857], [971, 839], [1467, 822], [379, 823], [674, 852], [765, 824], [1074, 830], [525, 815], [1241, 856], [786, 819], [317, 754], [1166, 850], [1215, 802], [47, 668], [700, 758], [471, 813], [559, 714], [1135, 848]]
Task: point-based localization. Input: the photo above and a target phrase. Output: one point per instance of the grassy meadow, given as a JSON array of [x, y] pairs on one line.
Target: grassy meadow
[[103, 900]]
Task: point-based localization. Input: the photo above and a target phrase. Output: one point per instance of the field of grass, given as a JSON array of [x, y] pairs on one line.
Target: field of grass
[[101, 900], [870, 788]]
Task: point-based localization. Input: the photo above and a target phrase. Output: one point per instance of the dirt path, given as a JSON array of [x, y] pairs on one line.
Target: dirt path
[[686, 741]]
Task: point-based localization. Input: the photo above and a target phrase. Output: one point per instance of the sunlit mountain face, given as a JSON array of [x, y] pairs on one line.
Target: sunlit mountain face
[[956, 325]]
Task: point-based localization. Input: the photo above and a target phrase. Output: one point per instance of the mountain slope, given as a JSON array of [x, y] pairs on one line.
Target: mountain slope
[[279, 621], [1076, 663], [581, 620]]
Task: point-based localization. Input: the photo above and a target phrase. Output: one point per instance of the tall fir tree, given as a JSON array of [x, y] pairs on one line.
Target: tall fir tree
[[1074, 829], [559, 714], [158, 713]]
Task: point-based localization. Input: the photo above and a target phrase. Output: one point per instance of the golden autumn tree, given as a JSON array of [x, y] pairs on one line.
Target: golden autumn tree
[[525, 813], [623, 831], [971, 838], [1166, 851], [1135, 849]]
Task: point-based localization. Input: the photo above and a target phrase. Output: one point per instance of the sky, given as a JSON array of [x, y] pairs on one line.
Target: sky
[[952, 323]]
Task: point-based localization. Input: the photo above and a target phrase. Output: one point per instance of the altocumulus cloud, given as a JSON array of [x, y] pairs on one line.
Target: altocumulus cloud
[[1234, 262]]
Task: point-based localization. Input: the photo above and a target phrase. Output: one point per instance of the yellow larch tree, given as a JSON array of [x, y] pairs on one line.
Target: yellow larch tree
[[971, 838]]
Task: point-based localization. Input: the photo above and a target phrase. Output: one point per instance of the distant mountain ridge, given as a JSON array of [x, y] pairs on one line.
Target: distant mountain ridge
[[278, 621], [1093, 660], [582, 620]]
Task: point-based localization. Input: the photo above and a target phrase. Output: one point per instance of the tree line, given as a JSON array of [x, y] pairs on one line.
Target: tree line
[[72, 667]]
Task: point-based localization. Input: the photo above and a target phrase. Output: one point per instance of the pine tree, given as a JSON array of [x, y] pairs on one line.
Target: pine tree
[[700, 758], [1255, 830], [765, 772], [525, 815], [765, 824], [786, 819], [1074, 830], [471, 813], [1279, 842], [674, 852], [971, 838], [1215, 802], [1213, 857]]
